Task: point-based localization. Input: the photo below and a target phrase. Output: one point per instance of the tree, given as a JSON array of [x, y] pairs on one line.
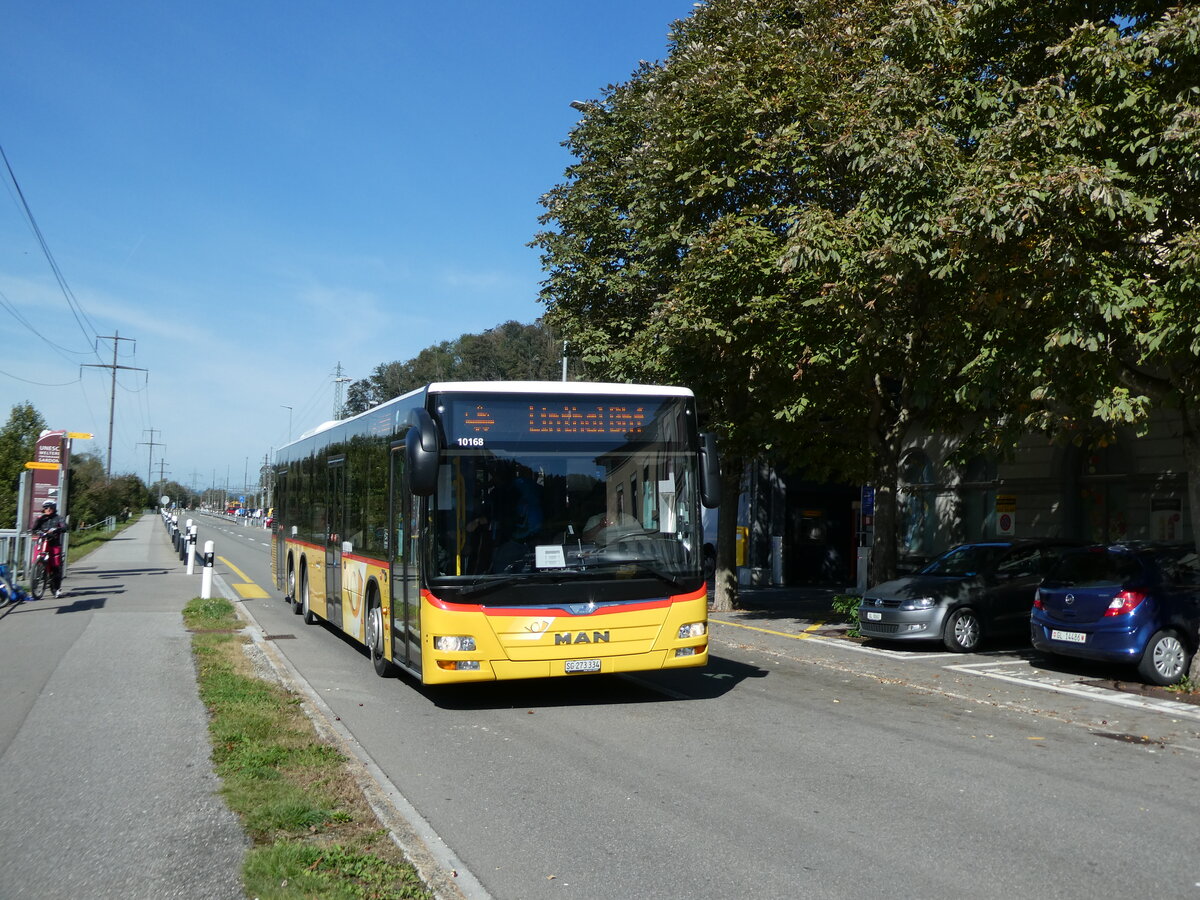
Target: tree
[[18, 439], [840, 224], [1088, 189], [509, 352], [93, 497], [760, 217]]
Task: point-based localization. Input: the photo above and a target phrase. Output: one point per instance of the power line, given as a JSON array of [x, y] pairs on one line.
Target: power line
[[81, 318]]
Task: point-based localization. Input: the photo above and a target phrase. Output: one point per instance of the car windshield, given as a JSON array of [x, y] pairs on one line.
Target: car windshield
[[593, 507], [964, 562], [1093, 568]]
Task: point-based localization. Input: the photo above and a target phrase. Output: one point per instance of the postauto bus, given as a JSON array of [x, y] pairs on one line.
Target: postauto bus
[[473, 531]]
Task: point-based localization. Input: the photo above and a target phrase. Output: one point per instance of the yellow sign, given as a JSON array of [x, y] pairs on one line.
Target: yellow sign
[[80, 435], [41, 465], [1006, 503]]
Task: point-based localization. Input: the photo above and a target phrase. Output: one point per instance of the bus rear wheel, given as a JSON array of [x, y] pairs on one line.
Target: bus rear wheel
[[310, 617], [291, 588], [376, 635]]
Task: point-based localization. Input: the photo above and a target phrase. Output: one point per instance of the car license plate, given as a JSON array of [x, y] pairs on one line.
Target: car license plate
[[583, 665], [1074, 637], [874, 616]]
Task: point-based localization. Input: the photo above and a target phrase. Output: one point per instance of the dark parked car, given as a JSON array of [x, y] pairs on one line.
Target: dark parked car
[[1137, 604], [969, 593]]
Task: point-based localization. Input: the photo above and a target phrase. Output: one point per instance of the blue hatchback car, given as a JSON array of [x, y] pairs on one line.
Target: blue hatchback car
[[1136, 603]]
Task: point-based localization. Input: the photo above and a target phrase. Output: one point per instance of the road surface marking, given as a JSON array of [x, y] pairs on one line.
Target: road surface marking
[[248, 590]]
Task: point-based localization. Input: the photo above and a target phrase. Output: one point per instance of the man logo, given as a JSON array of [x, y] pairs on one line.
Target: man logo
[[596, 637]]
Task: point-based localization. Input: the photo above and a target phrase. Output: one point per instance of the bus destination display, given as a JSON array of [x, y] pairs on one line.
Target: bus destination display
[[477, 421]]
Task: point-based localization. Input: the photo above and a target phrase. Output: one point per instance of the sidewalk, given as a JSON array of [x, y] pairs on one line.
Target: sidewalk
[[790, 609], [106, 785]]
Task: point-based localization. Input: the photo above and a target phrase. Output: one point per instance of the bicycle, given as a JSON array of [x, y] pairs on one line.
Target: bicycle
[[10, 593], [43, 568]]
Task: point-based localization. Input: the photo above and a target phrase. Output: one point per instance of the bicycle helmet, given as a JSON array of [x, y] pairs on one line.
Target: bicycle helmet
[[49, 505]]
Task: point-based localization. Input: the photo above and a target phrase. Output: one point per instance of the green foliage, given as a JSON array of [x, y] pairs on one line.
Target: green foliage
[[18, 439], [92, 497], [846, 606], [838, 224], [293, 870]]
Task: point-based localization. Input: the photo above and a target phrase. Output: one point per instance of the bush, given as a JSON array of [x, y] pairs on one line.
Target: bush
[[846, 606]]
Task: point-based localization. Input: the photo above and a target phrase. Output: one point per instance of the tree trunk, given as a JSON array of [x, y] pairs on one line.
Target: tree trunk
[[883, 550], [725, 588]]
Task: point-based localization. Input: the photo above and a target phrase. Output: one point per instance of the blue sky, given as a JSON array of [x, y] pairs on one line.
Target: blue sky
[[257, 192]]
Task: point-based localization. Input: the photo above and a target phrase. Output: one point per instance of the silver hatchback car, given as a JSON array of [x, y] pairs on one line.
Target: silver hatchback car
[[967, 594]]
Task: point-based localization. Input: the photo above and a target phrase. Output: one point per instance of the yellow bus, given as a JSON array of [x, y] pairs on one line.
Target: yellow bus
[[475, 531]]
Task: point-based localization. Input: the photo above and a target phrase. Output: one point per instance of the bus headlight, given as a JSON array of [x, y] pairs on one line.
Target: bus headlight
[[454, 644], [694, 630]]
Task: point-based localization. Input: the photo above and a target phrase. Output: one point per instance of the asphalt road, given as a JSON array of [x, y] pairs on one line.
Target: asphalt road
[[788, 768]]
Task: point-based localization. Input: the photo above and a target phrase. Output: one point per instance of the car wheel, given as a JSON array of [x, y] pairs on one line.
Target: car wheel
[[962, 631], [1165, 660]]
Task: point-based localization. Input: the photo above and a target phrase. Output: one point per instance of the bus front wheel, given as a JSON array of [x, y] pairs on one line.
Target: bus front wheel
[[376, 635]]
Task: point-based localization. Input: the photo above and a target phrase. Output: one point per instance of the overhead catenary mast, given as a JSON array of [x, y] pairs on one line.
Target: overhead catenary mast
[[112, 401]]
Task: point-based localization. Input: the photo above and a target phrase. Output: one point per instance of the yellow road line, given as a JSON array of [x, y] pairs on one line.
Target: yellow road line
[[806, 633], [249, 590]]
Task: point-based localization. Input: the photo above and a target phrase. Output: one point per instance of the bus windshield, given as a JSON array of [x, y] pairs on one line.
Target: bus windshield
[[590, 493]]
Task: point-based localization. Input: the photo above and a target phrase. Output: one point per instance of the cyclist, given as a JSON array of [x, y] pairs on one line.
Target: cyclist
[[52, 525]]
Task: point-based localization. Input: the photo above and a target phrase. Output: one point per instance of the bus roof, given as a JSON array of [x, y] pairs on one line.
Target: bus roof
[[556, 387], [593, 388]]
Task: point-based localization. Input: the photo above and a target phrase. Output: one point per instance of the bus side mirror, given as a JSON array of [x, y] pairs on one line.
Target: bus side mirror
[[421, 447], [710, 471]]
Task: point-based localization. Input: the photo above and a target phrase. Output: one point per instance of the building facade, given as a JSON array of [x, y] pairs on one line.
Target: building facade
[[1130, 488]]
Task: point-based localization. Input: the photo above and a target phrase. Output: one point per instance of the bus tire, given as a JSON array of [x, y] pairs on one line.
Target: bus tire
[[310, 618], [376, 637], [291, 586]]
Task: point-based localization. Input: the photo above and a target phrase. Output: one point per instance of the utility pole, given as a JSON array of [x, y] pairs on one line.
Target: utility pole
[[112, 400], [153, 444], [339, 379]]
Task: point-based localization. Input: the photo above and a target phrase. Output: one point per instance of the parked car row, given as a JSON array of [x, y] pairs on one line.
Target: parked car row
[[1133, 603]]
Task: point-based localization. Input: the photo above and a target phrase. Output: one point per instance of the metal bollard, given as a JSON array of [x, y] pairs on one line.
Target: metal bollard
[[206, 576], [191, 548]]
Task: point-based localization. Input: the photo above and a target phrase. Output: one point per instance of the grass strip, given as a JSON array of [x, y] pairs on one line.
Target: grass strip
[[312, 833]]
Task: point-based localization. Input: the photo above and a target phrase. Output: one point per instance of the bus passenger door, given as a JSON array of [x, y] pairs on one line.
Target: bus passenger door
[[406, 594], [336, 504]]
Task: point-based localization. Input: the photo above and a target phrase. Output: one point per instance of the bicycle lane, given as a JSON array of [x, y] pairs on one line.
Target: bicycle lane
[[106, 786]]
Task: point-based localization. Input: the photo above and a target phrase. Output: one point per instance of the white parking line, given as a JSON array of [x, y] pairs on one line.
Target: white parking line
[[835, 642], [1174, 708]]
